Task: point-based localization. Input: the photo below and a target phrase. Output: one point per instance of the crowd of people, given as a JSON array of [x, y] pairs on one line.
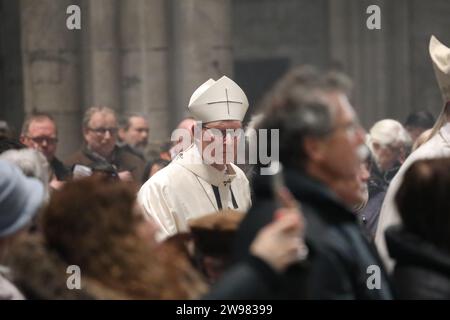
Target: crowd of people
[[337, 213]]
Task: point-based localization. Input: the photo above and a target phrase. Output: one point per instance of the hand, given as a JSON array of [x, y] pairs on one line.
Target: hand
[[56, 184], [125, 176], [279, 243]]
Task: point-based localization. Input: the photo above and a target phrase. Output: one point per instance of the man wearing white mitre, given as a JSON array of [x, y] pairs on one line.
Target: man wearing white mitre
[[200, 181], [438, 146]]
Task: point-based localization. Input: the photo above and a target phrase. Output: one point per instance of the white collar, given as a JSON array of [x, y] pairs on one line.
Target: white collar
[[192, 161]]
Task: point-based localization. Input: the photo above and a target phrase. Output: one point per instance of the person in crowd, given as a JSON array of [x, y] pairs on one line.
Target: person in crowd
[[123, 263], [418, 122], [319, 142], [212, 237], [153, 167], [39, 132], [389, 143], [197, 182], [438, 146], [421, 245], [100, 134], [277, 246], [133, 133], [32, 163], [21, 198]]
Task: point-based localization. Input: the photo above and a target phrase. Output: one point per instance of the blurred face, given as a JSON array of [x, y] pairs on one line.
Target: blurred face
[[137, 133], [100, 136], [221, 133], [387, 156], [354, 192], [339, 157], [42, 136]]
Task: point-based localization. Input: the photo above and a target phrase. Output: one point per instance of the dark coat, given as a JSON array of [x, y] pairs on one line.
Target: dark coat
[[59, 169], [122, 160], [247, 280], [340, 254], [422, 270]]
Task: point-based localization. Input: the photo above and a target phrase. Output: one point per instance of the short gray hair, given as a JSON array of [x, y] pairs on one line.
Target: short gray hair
[[124, 120], [92, 110], [32, 163], [388, 132]]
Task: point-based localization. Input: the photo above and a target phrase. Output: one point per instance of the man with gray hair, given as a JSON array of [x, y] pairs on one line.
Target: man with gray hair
[[20, 200], [100, 150], [389, 144], [39, 132], [319, 143]]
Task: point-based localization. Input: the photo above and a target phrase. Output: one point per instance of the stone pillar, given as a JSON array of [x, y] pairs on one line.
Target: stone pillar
[[101, 64], [11, 88], [144, 63], [377, 60], [51, 66], [201, 47]]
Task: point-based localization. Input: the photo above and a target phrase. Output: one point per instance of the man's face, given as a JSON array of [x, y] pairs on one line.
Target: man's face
[[221, 133], [42, 136], [388, 156], [100, 136], [340, 158], [354, 192], [137, 133]]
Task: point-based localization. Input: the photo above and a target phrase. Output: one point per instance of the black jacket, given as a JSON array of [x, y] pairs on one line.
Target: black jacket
[[340, 254], [422, 270], [61, 172]]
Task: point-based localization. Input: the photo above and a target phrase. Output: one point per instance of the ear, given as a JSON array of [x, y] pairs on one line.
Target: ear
[[85, 132], [22, 139], [314, 148], [121, 133]]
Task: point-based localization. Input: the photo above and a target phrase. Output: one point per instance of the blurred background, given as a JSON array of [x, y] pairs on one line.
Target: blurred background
[[149, 55]]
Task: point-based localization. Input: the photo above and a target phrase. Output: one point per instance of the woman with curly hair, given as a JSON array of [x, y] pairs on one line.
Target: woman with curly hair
[[99, 227]]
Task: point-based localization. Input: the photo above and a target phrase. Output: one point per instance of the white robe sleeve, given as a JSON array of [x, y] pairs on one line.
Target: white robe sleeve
[[154, 198]]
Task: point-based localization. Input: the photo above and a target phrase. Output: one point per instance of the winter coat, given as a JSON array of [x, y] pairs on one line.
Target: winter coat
[[340, 254], [422, 271]]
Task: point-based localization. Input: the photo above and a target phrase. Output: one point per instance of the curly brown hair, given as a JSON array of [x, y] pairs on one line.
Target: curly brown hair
[[93, 224]]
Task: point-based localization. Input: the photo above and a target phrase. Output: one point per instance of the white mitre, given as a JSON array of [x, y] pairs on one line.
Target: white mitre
[[440, 55], [218, 100]]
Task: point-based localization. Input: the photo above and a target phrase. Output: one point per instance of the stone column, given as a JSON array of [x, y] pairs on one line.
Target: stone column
[[201, 47], [101, 64], [51, 66], [377, 60], [144, 63]]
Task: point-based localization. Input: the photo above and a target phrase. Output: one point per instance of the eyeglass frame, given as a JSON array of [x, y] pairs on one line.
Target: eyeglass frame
[[102, 131]]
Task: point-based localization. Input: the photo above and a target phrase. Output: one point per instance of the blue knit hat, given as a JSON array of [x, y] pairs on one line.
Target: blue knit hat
[[20, 198]]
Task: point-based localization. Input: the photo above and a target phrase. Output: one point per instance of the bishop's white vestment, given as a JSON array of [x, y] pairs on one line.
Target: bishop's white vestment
[[437, 147], [188, 189]]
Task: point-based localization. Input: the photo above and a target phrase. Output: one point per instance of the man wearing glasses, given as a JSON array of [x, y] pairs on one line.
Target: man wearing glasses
[[39, 132], [100, 149], [202, 179]]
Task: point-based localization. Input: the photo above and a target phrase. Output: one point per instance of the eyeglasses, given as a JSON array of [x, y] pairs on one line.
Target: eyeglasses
[[41, 140], [102, 131], [351, 128], [222, 132]]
